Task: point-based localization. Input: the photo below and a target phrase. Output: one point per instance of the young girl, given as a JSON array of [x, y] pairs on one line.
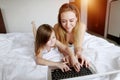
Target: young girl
[[45, 48]]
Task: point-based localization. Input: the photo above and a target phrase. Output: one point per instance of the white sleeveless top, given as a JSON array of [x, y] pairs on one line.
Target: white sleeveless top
[[52, 55]]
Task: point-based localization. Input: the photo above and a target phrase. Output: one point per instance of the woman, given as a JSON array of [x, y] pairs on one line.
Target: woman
[[69, 30]]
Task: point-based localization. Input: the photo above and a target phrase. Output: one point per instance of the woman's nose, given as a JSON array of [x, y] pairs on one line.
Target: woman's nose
[[67, 24]]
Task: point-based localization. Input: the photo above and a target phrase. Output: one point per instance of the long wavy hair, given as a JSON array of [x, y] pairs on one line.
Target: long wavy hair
[[60, 31], [43, 34]]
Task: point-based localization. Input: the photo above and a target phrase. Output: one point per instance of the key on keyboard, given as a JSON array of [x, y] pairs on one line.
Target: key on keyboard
[[58, 74]]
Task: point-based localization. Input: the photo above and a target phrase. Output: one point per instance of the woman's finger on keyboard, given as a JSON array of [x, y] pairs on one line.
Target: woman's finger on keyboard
[[86, 63], [82, 63], [77, 67]]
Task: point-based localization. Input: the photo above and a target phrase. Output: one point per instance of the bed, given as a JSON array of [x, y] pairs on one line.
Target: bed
[[17, 61]]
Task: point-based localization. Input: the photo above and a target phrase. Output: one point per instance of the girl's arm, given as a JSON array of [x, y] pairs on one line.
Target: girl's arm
[[34, 28], [42, 61]]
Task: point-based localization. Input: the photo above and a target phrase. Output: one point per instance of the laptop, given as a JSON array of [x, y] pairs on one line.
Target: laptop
[[85, 73]]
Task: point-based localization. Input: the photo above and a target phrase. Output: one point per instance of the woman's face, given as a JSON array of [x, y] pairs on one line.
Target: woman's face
[[68, 20], [52, 40]]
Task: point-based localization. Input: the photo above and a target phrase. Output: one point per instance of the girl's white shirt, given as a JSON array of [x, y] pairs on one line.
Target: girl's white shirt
[[52, 55]]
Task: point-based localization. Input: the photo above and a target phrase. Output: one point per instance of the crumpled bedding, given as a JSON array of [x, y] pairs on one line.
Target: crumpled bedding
[[17, 61]]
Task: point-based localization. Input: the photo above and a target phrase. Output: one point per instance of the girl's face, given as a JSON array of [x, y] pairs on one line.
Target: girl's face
[[68, 20], [52, 40]]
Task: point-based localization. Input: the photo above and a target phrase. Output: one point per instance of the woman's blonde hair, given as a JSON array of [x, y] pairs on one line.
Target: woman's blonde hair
[[42, 36], [60, 31]]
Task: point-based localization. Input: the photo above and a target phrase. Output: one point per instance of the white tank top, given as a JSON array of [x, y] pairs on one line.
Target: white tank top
[[52, 55]]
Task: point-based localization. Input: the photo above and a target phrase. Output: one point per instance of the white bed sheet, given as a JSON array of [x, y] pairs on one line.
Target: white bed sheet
[[17, 57]]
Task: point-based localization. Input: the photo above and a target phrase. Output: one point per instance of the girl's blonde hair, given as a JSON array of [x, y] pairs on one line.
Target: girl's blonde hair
[[60, 31], [42, 37]]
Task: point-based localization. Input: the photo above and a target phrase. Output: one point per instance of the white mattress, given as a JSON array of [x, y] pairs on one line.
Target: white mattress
[[17, 57]]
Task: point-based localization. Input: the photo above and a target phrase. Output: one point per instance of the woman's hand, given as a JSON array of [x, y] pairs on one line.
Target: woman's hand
[[63, 66], [72, 60], [75, 63], [82, 60]]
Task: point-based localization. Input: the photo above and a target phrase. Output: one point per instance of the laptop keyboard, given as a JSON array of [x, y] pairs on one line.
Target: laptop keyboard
[[57, 74]]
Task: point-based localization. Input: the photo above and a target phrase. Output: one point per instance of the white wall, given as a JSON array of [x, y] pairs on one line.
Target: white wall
[[114, 21], [18, 14], [0, 2]]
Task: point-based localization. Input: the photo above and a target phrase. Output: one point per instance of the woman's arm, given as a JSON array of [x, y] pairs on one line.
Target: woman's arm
[[70, 56], [79, 39], [65, 49], [78, 44], [80, 33]]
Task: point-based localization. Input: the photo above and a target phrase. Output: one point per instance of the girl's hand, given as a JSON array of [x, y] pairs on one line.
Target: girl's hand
[[82, 60], [66, 59], [63, 66]]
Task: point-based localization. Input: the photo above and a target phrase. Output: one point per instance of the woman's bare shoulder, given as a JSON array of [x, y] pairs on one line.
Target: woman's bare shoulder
[[82, 24]]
